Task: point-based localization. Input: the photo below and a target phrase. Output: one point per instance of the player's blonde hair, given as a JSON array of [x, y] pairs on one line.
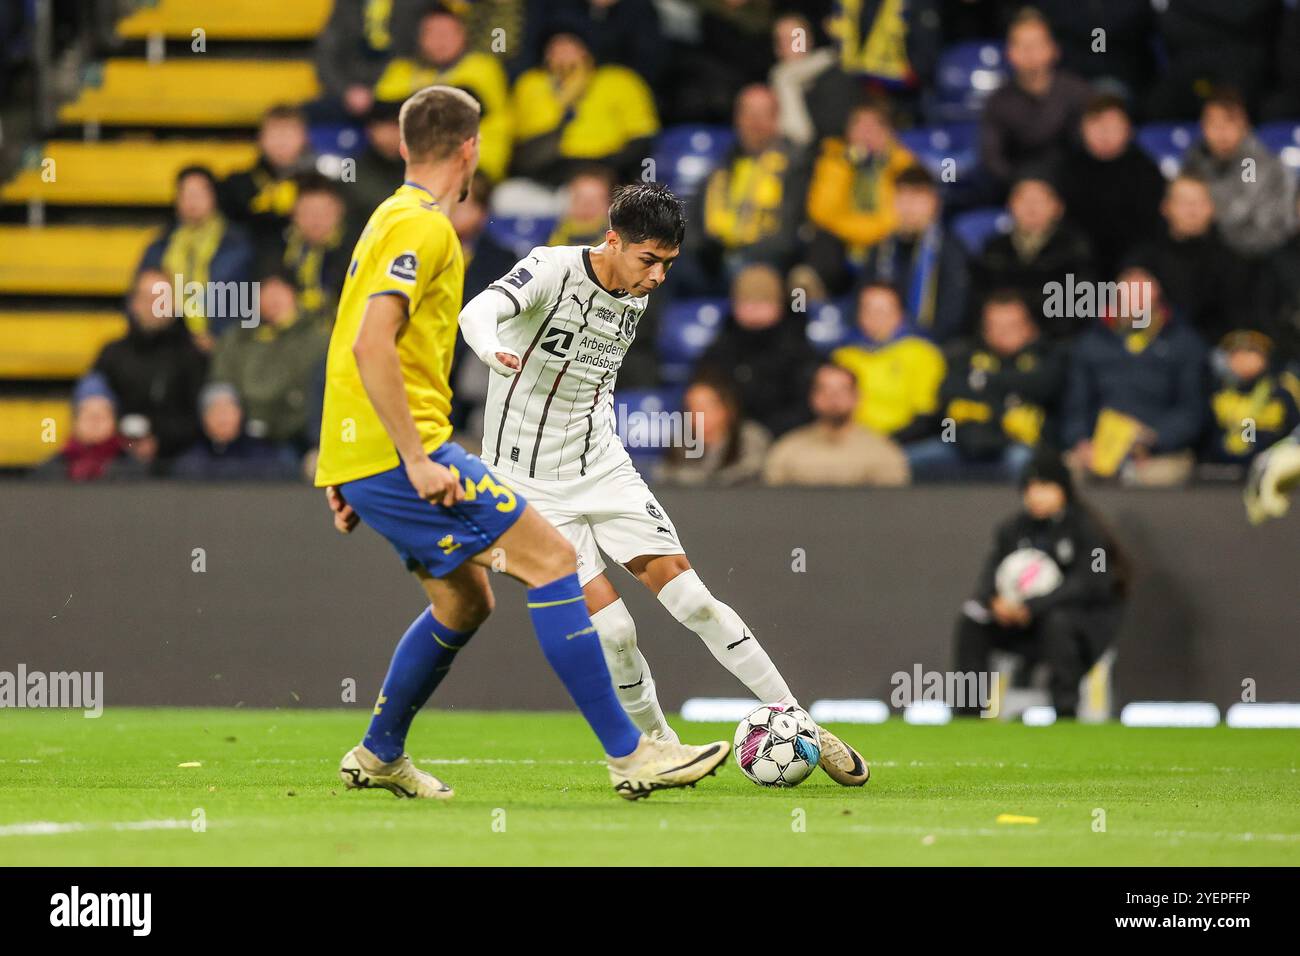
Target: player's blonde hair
[[435, 121]]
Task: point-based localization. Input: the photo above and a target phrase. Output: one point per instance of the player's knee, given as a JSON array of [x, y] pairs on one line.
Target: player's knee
[[686, 597], [616, 628], [473, 609]]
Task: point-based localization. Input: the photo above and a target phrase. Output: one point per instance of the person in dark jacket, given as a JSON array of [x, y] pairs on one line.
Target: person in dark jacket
[[355, 45], [924, 261], [156, 370], [763, 349], [1111, 187], [995, 400], [1252, 402], [379, 170], [1032, 119], [262, 196], [201, 246], [1067, 628], [1135, 391], [226, 452], [313, 249], [1204, 281], [1042, 248]]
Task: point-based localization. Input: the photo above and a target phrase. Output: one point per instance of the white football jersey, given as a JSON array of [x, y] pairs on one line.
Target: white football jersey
[[555, 417]]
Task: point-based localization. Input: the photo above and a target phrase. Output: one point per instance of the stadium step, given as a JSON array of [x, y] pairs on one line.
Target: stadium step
[[54, 345], [228, 20], [191, 92], [120, 173], [71, 260], [25, 424]]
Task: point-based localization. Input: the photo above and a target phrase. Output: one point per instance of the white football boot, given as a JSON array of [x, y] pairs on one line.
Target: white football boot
[[659, 765], [841, 762], [361, 770]]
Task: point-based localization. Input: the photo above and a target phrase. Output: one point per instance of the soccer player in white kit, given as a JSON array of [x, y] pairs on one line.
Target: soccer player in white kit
[[554, 331]]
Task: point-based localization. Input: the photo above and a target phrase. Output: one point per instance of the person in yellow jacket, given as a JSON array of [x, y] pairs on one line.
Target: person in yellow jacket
[[443, 58], [851, 195], [569, 112], [898, 371]]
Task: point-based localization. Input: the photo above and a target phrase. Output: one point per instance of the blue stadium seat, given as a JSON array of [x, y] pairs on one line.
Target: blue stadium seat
[[1166, 143], [831, 324], [976, 227], [934, 145], [336, 139], [964, 77], [686, 329], [521, 233], [685, 155], [641, 425], [1283, 138]]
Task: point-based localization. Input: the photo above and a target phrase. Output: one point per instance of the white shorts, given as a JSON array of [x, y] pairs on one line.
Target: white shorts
[[608, 509]]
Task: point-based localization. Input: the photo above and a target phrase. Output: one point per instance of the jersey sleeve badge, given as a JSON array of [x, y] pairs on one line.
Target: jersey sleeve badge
[[404, 267]]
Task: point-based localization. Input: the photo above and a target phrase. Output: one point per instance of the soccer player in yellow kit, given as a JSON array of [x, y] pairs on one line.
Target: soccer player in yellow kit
[[386, 460]]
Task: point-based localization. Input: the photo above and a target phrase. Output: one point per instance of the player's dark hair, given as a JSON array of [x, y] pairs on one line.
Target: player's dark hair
[[647, 212]]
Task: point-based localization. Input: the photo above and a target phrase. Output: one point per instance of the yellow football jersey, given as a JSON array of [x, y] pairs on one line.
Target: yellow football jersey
[[410, 249]]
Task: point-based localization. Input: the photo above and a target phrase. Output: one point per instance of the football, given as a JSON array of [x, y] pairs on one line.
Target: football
[[1027, 573], [776, 745]]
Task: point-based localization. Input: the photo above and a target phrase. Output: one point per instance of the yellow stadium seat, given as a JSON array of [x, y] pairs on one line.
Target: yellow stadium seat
[[32, 431], [70, 260], [201, 91], [44, 345], [228, 20], [122, 173]]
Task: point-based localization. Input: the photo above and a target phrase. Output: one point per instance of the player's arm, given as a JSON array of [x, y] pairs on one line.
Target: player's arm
[[375, 351], [478, 323]]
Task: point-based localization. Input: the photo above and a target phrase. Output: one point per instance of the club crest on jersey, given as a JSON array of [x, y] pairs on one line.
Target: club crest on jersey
[[519, 278], [404, 267], [653, 510]]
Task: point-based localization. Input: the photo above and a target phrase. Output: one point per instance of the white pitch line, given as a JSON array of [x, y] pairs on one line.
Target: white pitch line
[[47, 828]]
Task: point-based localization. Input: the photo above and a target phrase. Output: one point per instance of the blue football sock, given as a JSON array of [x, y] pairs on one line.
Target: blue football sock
[[423, 657], [572, 648]]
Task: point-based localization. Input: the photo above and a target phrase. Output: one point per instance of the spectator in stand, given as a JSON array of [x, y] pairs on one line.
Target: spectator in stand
[[1253, 402], [1204, 281], [763, 348], [226, 452], [586, 208], [898, 371], [1208, 44], [731, 446], [380, 168], [626, 32], [1123, 66], [1069, 627], [572, 111], [1043, 247], [701, 85], [1254, 193], [357, 42], [926, 263], [893, 45], [1033, 118], [996, 399], [442, 56], [262, 197], [1135, 391], [314, 249], [97, 450], [834, 449], [753, 202], [851, 197], [201, 246], [155, 370], [1111, 187], [271, 366], [813, 93]]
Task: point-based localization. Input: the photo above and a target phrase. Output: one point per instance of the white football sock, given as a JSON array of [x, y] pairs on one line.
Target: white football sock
[[630, 672], [726, 637]]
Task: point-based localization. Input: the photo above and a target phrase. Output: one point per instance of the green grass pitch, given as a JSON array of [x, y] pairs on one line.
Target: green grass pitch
[[531, 790]]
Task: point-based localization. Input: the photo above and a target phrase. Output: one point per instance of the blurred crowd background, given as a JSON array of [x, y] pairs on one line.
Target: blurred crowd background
[[900, 213]]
